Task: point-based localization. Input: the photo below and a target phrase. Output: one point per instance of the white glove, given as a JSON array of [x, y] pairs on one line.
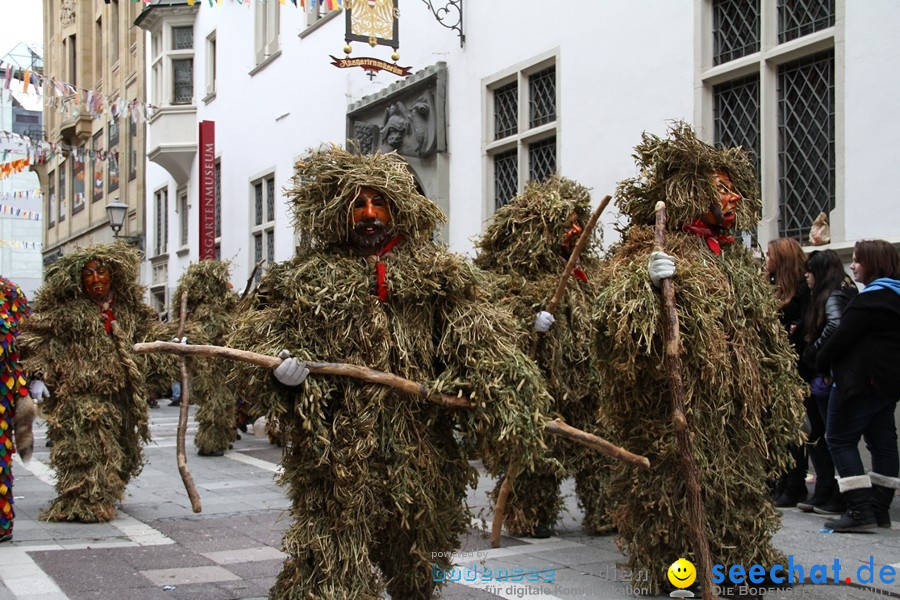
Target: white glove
[[37, 390], [543, 320], [291, 371], [660, 266], [179, 340]]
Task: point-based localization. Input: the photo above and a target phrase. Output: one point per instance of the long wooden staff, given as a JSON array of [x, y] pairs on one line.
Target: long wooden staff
[[512, 472], [183, 417], [683, 435], [555, 427]]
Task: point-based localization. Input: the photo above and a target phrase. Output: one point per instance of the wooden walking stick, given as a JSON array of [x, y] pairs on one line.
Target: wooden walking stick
[[512, 472], [683, 434], [183, 417], [556, 427]]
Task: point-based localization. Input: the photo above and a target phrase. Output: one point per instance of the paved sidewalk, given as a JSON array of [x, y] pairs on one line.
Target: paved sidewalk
[[158, 548]]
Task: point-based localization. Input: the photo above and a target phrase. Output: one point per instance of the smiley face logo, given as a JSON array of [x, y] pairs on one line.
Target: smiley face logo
[[682, 573]]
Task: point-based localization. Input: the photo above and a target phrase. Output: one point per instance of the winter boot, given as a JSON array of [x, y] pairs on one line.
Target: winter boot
[[791, 495], [794, 489], [857, 491], [826, 485], [883, 490]]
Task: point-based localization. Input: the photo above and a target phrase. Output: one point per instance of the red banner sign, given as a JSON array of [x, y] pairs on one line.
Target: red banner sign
[[207, 190], [371, 64]]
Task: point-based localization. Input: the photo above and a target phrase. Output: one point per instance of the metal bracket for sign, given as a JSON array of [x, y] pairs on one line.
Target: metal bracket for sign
[[449, 16]]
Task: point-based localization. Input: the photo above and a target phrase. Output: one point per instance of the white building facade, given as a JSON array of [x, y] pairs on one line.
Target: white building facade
[[517, 90]]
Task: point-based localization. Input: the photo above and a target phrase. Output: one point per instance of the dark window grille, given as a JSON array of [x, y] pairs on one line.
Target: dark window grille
[[257, 253], [542, 97], [797, 18], [162, 222], [270, 199], [183, 80], [270, 248], [258, 205], [183, 38], [735, 29], [736, 115], [806, 136], [506, 177], [63, 208], [506, 111], [542, 159]]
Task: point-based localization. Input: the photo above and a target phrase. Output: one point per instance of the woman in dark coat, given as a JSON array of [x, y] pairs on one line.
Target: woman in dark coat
[[831, 290], [863, 354]]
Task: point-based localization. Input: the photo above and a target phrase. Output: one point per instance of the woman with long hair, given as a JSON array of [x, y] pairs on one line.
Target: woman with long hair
[[863, 354], [785, 264], [831, 291]]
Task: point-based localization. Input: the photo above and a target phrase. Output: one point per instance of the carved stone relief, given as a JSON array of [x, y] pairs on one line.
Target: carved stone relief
[[67, 13], [409, 116]]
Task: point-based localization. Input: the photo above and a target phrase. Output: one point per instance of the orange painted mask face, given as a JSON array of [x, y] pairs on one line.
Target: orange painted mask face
[[96, 280], [724, 214], [370, 217], [574, 228]]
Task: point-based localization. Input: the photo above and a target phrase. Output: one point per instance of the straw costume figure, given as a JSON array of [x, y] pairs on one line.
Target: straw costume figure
[[16, 408], [377, 477], [211, 304], [526, 247], [87, 317], [742, 391]]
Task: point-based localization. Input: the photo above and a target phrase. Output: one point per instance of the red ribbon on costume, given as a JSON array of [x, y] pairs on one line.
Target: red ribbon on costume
[[580, 275], [381, 270], [713, 240], [107, 315]]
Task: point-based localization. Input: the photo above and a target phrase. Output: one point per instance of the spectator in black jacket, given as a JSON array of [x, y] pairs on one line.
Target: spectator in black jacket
[[831, 290], [863, 354], [785, 264]]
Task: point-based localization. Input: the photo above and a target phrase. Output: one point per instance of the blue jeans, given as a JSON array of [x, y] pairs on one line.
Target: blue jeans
[[873, 420]]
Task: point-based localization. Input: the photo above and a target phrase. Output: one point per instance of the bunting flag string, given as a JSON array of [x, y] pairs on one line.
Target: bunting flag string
[[31, 215], [69, 99], [13, 167], [41, 151], [22, 195], [330, 4], [19, 244]]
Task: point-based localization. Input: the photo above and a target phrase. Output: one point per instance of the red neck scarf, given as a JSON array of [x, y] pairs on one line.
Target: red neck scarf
[[381, 270], [107, 314], [713, 240]]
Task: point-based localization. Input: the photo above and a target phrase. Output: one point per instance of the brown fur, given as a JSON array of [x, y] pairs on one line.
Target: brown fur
[[25, 412]]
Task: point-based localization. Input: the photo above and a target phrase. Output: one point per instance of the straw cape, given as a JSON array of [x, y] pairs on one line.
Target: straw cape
[[97, 411], [210, 314], [377, 477], [743, 395], [15, 404], [522, 250]]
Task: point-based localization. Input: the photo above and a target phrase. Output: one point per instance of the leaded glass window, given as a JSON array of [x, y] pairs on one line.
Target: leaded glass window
[[797, 18], [542, 159], [506, 110], [542, 97], [806, 134], [735, 29], [506, 177], [736, 115]]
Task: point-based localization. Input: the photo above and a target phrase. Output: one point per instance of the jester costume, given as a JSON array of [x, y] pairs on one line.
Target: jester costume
[[13, 308], [523, 249], [97, 413], [743, 396], [210, 313], [377, 476]]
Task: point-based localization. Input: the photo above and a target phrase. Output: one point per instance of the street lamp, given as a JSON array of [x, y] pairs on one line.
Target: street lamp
[[115, 212]]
